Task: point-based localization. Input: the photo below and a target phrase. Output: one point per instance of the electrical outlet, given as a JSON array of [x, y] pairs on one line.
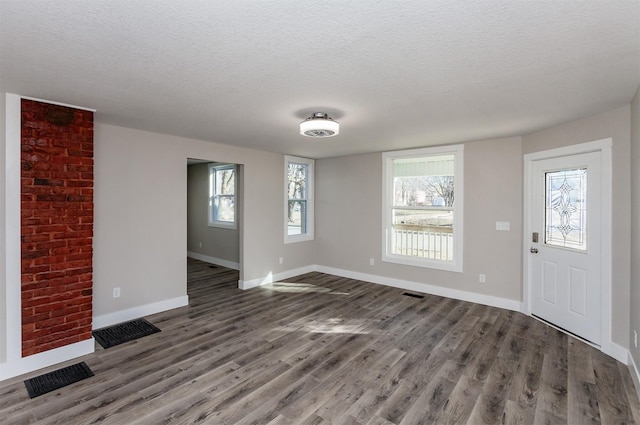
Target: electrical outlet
[[482, 278], [116, 292], [200, 244], [635, 339], [281, 260], [372, 261]]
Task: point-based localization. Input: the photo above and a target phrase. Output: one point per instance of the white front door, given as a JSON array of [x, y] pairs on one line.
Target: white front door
[[565, 243]]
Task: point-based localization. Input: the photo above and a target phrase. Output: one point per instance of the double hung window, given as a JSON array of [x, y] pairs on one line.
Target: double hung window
[[298, 199], [423, 197], [222, 196]]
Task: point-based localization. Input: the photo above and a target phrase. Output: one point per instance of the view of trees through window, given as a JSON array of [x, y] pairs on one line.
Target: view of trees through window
[[423, 200], [297, 198], [422, 206], [424, 190], [222, 194]]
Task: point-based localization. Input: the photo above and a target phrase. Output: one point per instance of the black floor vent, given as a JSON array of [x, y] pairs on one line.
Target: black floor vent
[[124, 332], [408, 294], [57, 379]]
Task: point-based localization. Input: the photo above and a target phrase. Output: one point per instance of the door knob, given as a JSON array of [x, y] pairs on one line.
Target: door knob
[[534, 250]]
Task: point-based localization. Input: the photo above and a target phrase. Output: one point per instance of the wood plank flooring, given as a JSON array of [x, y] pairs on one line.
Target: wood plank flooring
[[320, 349]]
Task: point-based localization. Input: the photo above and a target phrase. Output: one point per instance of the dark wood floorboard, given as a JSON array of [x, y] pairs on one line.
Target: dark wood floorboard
[[320, 349]]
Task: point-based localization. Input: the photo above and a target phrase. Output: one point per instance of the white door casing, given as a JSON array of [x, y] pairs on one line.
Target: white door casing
[[534, 267]]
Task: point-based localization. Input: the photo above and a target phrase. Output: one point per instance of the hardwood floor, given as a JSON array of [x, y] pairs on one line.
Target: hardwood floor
[[320, 349]]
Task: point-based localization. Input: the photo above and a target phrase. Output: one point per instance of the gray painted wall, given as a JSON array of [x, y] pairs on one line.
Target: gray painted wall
[[217, 243], [635, 226], [349, 219], [140, 198], [140, 239], [613, 124], [3, 314]]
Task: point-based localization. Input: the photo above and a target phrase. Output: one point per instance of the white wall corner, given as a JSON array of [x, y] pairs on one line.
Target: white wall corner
[[139, 311], [47, 358], [13, 331]]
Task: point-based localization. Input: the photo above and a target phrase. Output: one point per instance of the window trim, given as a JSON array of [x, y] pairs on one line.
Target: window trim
[[210, 213], [458, 219], [310, 201]]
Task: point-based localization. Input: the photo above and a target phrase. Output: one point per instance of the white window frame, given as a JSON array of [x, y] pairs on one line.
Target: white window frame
[[454, 265], [212, 184], [310, 183]]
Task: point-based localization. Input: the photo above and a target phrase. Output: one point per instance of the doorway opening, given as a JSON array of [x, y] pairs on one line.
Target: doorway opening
[[214, 212]]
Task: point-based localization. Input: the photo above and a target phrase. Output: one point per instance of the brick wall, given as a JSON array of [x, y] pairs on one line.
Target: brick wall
[[57, 225]]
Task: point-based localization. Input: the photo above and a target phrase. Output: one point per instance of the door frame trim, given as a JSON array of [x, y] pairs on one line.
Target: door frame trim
[[603, 146]]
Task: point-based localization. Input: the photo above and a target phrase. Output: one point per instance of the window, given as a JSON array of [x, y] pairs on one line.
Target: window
[[222, 196], [422, 217], [566, 208], [298, 217]]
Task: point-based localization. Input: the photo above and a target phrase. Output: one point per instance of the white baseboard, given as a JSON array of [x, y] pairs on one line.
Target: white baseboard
[[62, 354], [616, 351], [635, 374], [426, 288], [45, 359], [214, 260], [474, 297], [139, 311], [270, 278]]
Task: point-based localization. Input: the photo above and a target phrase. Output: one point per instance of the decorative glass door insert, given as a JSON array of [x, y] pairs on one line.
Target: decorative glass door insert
[[566, 208]]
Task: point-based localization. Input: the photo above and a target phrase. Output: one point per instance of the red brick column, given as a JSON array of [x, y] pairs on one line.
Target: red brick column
[[57, 225]]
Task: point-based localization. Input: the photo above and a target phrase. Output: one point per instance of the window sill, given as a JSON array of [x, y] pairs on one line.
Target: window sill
[[298, 238], [230, 226], [449, 266]]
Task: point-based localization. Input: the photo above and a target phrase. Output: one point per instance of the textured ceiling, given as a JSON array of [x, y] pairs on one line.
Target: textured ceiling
[[394, 74]]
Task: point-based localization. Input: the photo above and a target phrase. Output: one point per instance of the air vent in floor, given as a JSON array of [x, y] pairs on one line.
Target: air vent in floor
[[408, 294]]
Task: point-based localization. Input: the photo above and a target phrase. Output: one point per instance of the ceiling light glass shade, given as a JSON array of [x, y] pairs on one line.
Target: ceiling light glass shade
[[319, 125]]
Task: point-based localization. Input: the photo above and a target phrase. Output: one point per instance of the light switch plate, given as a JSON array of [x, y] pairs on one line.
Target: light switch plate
[[503, 225]]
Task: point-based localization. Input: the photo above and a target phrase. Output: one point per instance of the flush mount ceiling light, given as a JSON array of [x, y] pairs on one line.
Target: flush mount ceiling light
[[319, 124]]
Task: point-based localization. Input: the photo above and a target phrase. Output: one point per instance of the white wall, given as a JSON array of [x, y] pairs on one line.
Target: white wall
[[635, 226], [613, 124], [217, 243], [349, 220]]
